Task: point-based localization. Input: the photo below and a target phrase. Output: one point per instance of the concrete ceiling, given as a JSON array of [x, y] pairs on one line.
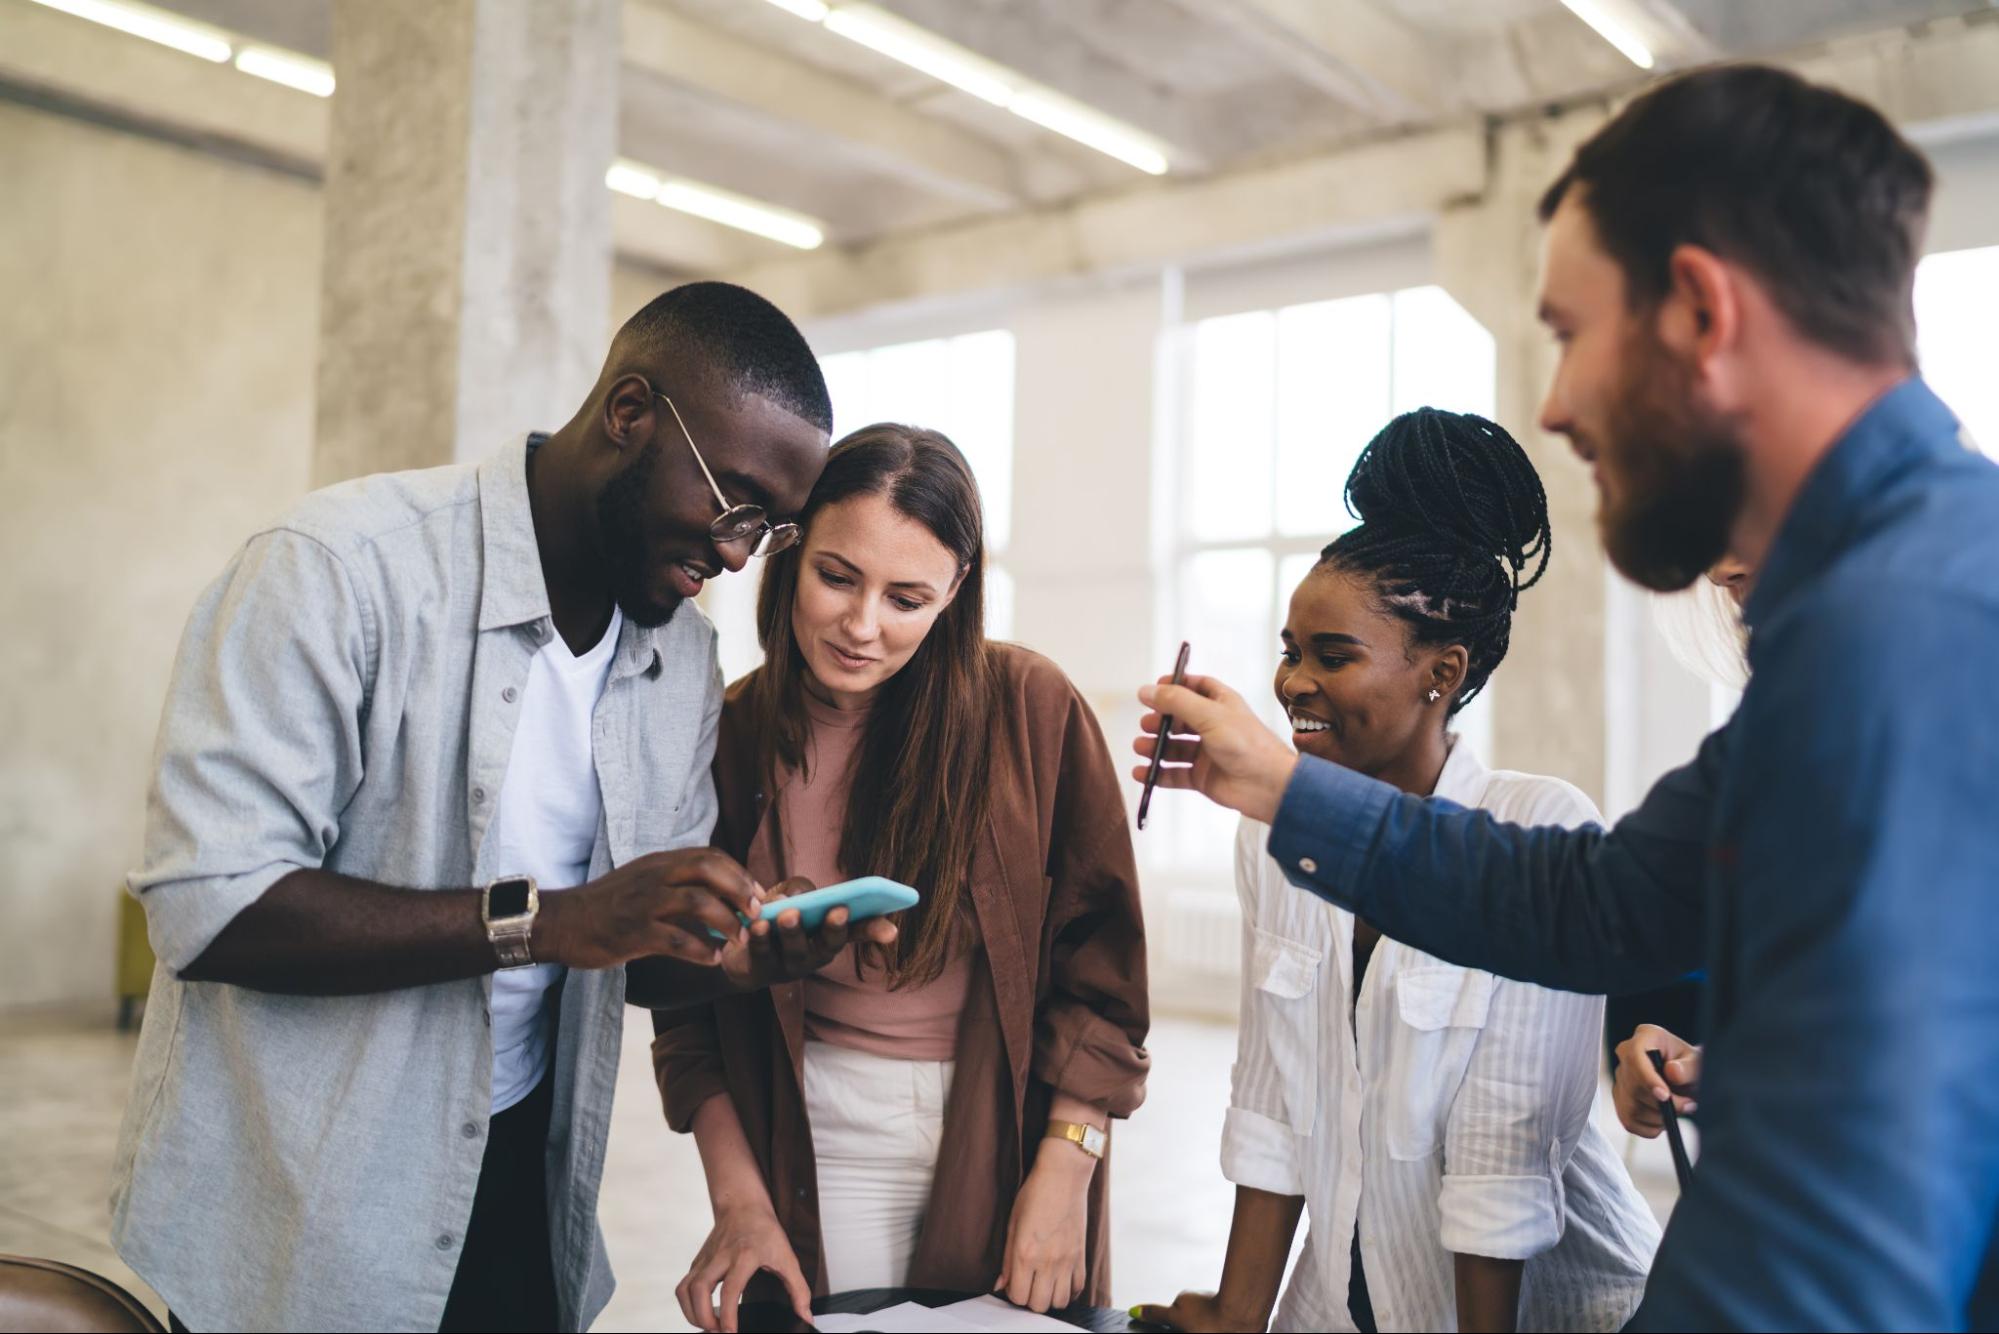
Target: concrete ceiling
[[743, 95]]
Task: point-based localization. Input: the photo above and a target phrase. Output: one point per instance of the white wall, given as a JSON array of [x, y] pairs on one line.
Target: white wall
[[156, 367]]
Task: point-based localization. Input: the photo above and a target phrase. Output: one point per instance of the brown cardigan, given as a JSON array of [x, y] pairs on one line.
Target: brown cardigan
[[1057, 998]]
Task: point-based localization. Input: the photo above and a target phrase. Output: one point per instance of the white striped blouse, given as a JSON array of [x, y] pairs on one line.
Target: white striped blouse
[[1448, 1111]]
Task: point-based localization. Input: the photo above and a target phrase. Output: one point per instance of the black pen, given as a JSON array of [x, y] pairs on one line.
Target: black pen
[[1159, 740], [1682, 1169]]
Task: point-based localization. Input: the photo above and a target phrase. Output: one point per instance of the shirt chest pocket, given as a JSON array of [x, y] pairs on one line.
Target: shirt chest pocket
[[1438, 1014], [1285, 977]]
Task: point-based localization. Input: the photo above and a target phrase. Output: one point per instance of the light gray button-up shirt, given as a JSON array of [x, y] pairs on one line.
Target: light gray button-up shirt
[[345, 697]]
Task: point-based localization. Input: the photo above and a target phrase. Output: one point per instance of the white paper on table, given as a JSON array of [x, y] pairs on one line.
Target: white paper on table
[[908, 1318], [1002, 1317]]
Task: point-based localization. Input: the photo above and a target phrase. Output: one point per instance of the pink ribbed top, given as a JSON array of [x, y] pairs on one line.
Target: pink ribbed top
[[858, 1012]]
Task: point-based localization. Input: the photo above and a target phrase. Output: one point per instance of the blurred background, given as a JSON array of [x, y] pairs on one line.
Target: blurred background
[[1160, 267]]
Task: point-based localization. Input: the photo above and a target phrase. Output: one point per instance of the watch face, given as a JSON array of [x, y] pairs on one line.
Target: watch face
[[509, 898]]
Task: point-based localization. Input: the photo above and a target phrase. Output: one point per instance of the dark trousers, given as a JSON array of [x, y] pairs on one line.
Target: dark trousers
[[506, 1279], [1359, 1308]]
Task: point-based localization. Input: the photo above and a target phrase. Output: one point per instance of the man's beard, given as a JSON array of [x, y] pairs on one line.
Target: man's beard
[[1674, 474], [621, 531]]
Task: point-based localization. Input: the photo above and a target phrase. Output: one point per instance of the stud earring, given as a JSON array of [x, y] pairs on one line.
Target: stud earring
[[1434, 696]]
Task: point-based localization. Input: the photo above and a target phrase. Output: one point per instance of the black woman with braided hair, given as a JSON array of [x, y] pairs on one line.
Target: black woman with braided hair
[[1433, 1122]]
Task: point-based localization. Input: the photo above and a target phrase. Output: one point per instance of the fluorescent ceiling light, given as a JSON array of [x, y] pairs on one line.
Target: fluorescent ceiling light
[[812, 11], [1612, 31], [629, 178], [1090, 128], [733, 210], [152, 24], [705, 201], [947, 62], [881, 31], [293, 71]]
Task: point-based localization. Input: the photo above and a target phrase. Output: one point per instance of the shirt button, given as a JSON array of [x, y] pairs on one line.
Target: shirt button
[[510, 694], [1308, 866], [802, 1193], [470, 1130], [478, 794], [444, 1241]]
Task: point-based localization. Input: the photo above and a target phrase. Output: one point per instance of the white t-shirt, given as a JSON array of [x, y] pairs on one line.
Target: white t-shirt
[[545, 825]]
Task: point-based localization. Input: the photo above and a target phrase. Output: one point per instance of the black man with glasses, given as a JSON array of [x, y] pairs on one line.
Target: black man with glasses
[[433, 767]]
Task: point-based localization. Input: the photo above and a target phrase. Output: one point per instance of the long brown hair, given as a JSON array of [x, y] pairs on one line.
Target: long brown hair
[[917, 800]]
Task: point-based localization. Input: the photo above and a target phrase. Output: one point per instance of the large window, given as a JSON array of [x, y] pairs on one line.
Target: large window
[[961, 386], [1957, 332], [1279, 404]]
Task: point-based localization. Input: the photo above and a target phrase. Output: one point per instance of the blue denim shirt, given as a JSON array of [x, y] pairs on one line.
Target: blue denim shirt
[[1831, 857]]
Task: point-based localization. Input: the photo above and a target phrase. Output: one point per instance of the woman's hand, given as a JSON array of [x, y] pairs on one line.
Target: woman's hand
[[1044, 1268], [1195, 1311], [746, 1238], [784, 951], [1638, 1090]]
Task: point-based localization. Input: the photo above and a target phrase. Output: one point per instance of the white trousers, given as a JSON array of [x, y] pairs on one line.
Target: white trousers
[[876, 1127]]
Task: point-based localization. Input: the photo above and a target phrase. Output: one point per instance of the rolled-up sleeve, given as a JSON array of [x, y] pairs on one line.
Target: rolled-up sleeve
[[686, 1062], [1524, 1104], [1259, 1146], [1090, 1028], [259, 745], [1517, 1119]]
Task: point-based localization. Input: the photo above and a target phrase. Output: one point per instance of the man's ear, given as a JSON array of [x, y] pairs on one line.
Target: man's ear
[[1702, 313], [628, 411]]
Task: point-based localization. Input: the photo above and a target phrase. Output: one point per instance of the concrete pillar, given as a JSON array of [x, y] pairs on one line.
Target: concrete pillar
[[1551, 717], [1081, 551], [468, 240]]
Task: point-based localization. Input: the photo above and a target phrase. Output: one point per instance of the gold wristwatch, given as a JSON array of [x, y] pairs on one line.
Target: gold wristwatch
[[1087, 1138]]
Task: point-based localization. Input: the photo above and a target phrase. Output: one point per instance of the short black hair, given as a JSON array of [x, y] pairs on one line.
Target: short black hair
[[1812, 190], [1451, 514], [745, 339]]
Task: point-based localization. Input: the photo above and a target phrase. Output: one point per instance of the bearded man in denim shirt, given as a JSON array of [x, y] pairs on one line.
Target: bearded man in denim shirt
[[1728, 271]]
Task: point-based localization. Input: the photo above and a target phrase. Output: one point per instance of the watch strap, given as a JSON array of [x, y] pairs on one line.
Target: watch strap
[[1085, 1137], [512, 937]]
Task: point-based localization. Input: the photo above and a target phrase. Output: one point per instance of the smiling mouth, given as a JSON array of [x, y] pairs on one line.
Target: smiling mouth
[[688, 576], [1303, 723]]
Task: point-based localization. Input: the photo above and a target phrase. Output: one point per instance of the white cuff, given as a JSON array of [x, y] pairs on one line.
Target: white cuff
[[1260, 1153], [1506, 1218]]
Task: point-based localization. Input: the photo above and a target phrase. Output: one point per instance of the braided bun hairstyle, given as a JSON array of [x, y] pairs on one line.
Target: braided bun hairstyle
[[1452, 515]]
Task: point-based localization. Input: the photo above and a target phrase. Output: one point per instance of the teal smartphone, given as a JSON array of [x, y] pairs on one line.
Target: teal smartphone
[[869, 896]]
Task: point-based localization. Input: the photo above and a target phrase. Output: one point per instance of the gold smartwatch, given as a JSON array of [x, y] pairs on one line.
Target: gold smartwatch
[[508, 908], [1087, 1138]]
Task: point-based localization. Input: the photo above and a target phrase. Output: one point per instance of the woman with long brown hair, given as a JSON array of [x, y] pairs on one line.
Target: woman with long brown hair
[[930, 1112]]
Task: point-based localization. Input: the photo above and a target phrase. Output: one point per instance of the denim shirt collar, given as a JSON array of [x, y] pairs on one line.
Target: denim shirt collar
[[512, 591], [1903, 425]]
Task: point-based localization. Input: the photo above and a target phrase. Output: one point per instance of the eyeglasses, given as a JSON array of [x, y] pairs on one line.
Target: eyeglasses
[[737, 523]]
